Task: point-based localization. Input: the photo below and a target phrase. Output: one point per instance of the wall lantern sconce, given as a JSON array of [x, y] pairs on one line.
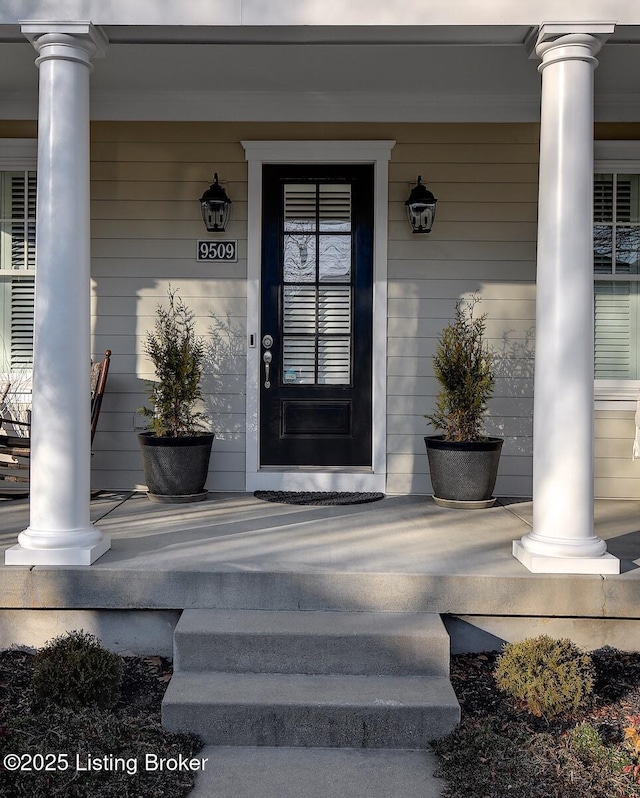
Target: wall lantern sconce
[[421, 208], [216, 207]]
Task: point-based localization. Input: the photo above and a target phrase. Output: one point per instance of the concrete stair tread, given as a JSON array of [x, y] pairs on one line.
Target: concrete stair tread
[[311, 679], [266, 641], [272, 689], [248, 772], [285, 622]]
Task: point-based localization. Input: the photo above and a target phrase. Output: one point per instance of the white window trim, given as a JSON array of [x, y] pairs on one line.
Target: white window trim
[[622, 157], [18, 153], [377, 153]]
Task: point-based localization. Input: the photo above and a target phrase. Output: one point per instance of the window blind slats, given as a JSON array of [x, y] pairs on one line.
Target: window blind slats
[[18, 255], [616, 252], [22, 307], [615, 312], [603, 198], [316, 296], [17, 220]]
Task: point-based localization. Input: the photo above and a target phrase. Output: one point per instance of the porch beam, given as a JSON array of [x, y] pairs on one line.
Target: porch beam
[[60, 530], [563, 539]]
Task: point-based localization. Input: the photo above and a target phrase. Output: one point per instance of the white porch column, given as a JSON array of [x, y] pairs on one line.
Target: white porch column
[[563, 539], [60, 531]]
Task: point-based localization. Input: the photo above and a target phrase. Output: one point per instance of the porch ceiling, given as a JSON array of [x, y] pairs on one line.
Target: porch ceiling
[[321, 74]]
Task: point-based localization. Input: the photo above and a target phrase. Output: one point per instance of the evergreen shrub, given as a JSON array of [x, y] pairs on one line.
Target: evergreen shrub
[[550, 677], [177, 354], [75, 670], [463, 365]]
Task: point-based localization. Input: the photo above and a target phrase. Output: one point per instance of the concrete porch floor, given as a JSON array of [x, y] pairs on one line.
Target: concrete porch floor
[[400, 554]]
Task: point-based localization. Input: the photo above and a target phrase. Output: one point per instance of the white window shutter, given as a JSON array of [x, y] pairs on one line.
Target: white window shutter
[[616, 330], [17, 256], [22, 310]]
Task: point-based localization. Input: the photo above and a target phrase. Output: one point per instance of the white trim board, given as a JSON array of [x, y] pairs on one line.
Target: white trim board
[[18, 153], [377, 153]]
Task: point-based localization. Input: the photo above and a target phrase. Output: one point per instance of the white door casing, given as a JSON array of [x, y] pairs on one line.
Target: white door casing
[[258, 153]]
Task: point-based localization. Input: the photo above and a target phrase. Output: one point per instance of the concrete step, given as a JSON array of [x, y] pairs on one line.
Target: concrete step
[[339, 711], [250, 772], [312, 642]]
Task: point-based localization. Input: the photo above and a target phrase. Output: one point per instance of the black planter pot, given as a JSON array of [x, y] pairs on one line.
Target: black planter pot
[[175, 469], [463, 474]]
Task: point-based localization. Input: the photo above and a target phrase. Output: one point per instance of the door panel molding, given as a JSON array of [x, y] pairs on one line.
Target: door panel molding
[[377, 153]]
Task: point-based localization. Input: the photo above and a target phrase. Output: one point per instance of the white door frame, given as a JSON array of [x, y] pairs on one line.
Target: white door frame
[[377, 153]]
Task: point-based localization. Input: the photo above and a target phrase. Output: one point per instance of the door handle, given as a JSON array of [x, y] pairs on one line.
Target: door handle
[[267, 357]]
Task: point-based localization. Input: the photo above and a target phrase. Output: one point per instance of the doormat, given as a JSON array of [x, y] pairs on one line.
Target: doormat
[[317, 497]]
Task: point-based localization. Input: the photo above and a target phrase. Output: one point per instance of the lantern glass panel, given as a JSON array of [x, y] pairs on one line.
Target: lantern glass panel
[[215, 215], [421, 216]]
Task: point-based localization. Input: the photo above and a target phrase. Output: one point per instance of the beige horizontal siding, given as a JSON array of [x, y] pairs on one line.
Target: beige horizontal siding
[[617, 475], [146, 179], [483, 240]]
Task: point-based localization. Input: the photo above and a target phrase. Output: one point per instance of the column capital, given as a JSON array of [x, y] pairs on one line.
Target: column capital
[[558, 34], [81, 34]]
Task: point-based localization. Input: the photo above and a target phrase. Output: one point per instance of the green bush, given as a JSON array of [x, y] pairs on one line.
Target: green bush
[[177, 354], [463, 366], [585, 741], [75, 670], [550, 677]]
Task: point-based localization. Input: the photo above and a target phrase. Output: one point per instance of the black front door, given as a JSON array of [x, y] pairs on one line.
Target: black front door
[[317, 292]]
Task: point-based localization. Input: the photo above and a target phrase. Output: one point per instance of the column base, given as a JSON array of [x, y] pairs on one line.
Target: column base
[[82, 555], [555, 564]]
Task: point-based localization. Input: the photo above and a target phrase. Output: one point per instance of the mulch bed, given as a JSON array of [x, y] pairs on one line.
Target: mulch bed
[[118, 738], [501, 750]]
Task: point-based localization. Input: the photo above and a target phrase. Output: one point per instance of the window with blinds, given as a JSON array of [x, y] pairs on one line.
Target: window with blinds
[[17, 265], [317, 284], [617, 275]]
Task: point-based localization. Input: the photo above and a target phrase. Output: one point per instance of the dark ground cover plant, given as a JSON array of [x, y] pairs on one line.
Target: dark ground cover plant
[[500, 749], [128, 728], [76, 670]]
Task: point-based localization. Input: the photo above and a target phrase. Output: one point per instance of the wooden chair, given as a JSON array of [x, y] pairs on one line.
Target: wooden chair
[[15, 450]]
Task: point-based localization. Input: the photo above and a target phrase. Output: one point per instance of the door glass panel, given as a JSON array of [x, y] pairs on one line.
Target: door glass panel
[[299, 361], [335, 258], [317, 277], [335, 207], [300, 207], [334, 310], [334, 361], [299, 314], [299, 259]]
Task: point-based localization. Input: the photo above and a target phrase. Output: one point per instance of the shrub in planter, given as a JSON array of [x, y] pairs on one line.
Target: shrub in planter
[[550, 677], [463, 460], [75, 670], [177, 448], [177, 354], [463, 367]]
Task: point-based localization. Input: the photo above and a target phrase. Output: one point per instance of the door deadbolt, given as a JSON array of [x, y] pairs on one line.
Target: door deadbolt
[[267, 341]]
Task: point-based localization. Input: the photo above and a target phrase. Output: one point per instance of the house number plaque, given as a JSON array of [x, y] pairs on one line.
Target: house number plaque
[[218, 251]]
